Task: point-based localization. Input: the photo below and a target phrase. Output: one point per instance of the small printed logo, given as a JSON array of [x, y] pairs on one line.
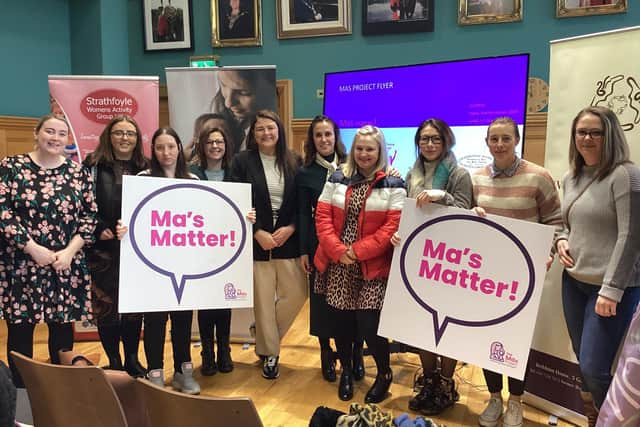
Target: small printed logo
[[231, 293], [498, 354]]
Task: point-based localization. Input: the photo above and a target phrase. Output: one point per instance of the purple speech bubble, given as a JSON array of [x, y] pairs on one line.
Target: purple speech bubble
[[178, 286], [439, 328]]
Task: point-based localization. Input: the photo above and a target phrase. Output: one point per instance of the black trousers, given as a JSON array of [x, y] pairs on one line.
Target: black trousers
[[494, 383], [360, 323], [20, 339], [218, 320], [155, 329]]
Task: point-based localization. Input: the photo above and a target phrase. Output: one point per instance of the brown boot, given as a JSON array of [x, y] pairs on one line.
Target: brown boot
[[590, 411]]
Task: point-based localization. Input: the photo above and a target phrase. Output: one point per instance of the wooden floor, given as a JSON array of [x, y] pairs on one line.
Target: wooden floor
[[291, 399]]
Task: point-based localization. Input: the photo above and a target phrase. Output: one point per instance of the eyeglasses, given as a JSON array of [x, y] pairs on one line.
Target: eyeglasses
[[127, 133], [426, 139], [218, 142], [593, 133]]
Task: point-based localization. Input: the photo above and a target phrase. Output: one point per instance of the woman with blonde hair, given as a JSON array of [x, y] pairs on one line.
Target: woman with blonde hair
[[357, 213]]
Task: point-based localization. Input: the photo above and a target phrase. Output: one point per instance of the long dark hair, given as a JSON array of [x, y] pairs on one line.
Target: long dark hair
[[615, 150], [181, 163], [445, 132], [286, 161], [310, 147], [202, 148], [104, 151]]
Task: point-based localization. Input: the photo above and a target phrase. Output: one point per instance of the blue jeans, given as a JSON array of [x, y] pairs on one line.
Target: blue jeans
[[595, 339]]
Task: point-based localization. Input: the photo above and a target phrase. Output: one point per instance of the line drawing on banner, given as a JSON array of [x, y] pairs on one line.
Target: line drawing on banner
[[486, 285], [178, 280]]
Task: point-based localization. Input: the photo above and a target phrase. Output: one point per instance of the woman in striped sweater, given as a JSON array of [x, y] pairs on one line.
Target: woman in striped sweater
[[514, 188]]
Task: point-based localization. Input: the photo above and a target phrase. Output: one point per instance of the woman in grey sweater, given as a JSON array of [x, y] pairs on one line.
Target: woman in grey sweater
[[599, 247]]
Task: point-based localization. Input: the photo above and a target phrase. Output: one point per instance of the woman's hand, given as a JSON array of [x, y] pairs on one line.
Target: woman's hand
[[41, 255], [605, 307], [251, 216], [121, 230], [395, 239], [304, 261], [63, 259], [394, 172], [265, 240], [282, 234], [480, 211], [106, 234], [562, 247], [348, 257]]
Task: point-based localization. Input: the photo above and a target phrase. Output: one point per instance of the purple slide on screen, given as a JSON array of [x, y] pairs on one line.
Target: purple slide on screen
[[466, 94]]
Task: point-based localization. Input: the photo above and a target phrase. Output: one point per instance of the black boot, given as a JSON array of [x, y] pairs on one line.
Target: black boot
[[345, 389], [425, 395], [328, 365], [133, 367], [378, 391], [358, 361], [225, 364], [115, 362], [209, 366], [444, 396], [110, 339]]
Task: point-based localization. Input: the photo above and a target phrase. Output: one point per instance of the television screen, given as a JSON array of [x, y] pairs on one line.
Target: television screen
[[467, 94]]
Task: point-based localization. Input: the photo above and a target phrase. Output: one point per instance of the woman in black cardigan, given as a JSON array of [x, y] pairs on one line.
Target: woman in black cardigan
[[270, 167], [324, 152]]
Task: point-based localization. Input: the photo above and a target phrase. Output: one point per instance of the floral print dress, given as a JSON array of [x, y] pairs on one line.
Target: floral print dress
[[50, 206]]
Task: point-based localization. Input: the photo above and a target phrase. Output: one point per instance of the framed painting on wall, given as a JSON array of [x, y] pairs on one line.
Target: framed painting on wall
[[313, 18], [397, 16], [568, 8], [167, 25], [236, 23], [472, 12]]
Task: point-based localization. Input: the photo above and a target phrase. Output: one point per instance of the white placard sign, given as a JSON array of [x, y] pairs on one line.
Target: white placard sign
[[189, 245], [466, 287]]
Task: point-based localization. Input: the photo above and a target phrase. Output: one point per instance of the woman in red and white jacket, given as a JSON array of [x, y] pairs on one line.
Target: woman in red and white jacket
[[357, 213]]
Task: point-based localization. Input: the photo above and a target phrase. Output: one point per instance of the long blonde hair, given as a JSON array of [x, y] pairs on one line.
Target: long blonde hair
[[367, 131]]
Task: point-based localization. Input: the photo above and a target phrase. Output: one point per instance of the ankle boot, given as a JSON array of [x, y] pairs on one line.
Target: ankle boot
[[424, 396], [378, 391], [225, 364], [209, 366], [328, 365], [358, 362], [115, 363], [133, 367], [590, 411], [345, 389], [444, 396]]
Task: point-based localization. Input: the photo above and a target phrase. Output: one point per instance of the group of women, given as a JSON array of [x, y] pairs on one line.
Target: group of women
[[335, 217]]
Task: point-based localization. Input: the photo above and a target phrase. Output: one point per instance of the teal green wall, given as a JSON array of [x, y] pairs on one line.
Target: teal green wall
[[105, 37], [34, 42], [306, 60]]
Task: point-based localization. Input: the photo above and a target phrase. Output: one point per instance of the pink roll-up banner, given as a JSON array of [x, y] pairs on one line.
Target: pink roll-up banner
[[90, 102]]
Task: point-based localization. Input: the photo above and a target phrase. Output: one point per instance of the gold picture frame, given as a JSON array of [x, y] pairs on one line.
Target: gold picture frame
[[570, 8], [299, 19], [239, 28], [474, 12]]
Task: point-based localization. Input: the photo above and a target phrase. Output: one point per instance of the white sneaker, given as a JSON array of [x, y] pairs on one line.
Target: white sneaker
[[184, 381], [156, 376], [513, 415], [492, 413]]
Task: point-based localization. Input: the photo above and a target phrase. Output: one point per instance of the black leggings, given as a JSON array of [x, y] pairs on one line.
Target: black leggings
[[20, 339], [155, 329], [220, 319], [362, 323], [494, 383]]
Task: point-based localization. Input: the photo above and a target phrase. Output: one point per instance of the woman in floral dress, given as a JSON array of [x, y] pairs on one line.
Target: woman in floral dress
[[47, 216]]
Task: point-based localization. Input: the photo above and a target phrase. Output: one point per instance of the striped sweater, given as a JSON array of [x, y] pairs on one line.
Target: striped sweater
[[530, 194]]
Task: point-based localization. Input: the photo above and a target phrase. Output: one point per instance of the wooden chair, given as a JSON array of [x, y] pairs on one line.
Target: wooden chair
[[69, 396], [168, 408]]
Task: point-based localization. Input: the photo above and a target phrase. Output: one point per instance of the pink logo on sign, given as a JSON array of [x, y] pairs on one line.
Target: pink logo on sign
[[103, 105]]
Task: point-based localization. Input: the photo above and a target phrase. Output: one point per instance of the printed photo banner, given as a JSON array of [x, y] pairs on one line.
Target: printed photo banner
[[90, 102], [188, 247], [466, 287]]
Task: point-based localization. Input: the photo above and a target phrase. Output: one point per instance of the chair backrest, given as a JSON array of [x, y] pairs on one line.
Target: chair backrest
[[167, 408], [69, 396]]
